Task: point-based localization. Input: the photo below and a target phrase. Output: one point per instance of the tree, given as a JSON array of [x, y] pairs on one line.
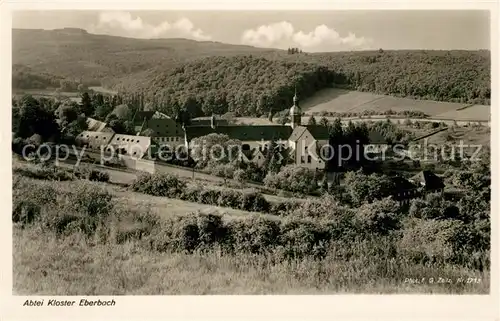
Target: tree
[[367, 188], [74, 128], [292, 178], [311, 121], [102, 111], [214, 147], [324, 122], [67, 113], [33, 119], [283, 119], [86, 106]]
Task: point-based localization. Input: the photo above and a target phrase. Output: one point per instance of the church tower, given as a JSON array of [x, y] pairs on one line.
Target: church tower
[[295, 112]]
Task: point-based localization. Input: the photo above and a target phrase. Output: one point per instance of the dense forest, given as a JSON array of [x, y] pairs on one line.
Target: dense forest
[[24, 77], [254, 86], [210, 77]]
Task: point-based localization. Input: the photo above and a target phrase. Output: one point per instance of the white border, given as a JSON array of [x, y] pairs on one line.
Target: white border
[[326, 307]]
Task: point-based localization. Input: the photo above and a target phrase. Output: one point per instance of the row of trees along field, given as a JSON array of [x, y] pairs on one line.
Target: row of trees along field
[[253, 86]]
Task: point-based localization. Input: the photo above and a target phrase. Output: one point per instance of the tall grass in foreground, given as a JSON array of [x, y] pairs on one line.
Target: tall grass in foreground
[[44, 264], [78, 241]]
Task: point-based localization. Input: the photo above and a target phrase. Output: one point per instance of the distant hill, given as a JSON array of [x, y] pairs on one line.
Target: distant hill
[[211, 77], [24, 77], [100, 59]]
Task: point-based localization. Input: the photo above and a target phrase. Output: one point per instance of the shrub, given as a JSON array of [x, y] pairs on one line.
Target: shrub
[[45, 172], [211, 230], [178, 233], [301, 238], [292, 178], [284, 208], [159, 184], [25, 212], [91, 174], [379, 217], [253, 235], [253, 201], [431, 239], [229, 198], [87, 206]]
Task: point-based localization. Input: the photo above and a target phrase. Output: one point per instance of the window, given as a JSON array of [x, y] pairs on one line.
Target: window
[[302, 159], [306, 149], [309, 159], [137, 140], [118, 138]]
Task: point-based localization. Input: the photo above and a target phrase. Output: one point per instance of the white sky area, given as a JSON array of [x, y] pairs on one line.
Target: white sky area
[[311, 31]]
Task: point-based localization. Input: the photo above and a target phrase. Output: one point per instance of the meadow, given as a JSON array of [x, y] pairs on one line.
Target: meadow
[[346, 101], [88, 237]]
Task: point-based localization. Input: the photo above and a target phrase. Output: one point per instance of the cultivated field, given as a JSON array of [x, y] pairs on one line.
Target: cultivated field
[[339, 100]]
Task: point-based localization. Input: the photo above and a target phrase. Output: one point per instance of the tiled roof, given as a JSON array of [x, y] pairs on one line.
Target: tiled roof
[[242, 132]]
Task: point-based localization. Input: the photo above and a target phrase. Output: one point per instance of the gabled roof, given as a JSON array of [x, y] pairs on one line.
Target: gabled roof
[[95, 125], [402, 184], [242, 132], [428, 179], [318, 132]]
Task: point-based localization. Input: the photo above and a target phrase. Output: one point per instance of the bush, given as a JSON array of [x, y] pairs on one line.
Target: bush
[[45, 172], [91, 174], [253, 235], [301, 238], [159, 184], [229, 198], [379, 217], [284, 208], [292, 178], [431, 240], [253, 201]]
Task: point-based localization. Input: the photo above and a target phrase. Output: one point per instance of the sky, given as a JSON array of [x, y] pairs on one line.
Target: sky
[[312, 31]]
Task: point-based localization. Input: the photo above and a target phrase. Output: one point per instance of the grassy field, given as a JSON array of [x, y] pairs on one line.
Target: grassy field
[[46, 265], [339, 100], [471, 136], [54, 256]]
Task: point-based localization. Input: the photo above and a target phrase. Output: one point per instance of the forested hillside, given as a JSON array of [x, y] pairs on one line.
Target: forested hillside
[[206, 77], [25, 78], [254, 85]]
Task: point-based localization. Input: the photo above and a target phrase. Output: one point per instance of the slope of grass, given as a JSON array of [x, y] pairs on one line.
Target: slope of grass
[[45, 265]]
